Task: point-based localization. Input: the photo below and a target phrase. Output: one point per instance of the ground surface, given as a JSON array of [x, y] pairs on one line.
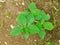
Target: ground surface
[[9, 9]]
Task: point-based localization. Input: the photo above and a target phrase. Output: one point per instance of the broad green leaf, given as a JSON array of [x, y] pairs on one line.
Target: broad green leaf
[[36, 12], [26, 33], [26, 13], [42, 33], [21, 20], [49, 43], [38, 17], [16, 31], [48, 25], [40, 14], [32, 6], [45, 16], [33, 29], [30, 19]]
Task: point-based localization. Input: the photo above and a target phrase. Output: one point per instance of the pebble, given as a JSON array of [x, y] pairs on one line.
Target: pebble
[[5, 43], [2, 1], [11, 26], [35, 40], [59, 41], [7, 16], [23, 3], [17, 4]]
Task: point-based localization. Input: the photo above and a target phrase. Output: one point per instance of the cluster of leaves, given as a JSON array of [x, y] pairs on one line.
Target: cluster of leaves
[[32, 21]]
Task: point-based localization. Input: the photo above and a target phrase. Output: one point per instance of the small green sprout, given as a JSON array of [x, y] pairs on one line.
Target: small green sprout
[[49, 43], [32, 21]]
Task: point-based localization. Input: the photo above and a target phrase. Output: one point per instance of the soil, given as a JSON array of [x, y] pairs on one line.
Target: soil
[[9, 10]]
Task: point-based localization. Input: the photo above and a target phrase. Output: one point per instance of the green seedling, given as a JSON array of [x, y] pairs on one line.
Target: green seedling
[[32, 21], [49, 43]]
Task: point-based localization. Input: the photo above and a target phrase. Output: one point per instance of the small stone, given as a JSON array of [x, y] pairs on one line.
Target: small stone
[[59, 41], [35, 40], [5, 43], [7, 16], [11, 26], [19, 12], [23, 3], [36, 21], [16, 3], [2, 0]]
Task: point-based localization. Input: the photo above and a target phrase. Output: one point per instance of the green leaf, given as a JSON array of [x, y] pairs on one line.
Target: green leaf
[[32, 6], [30, 19], [38, 24], [36, 12], [48, 17], [26, 13], [45, 16], [42, 32], [40, 14], [49, 43], [38, 17], [21, 20], [33, 29], [16, 31], [26, 33], [48, 25]]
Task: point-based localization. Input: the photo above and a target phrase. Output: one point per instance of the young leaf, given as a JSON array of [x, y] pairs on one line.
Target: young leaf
[[37, 17], [30, 19], [49, 43], [21, 20], [16, 31], [48, 25], [40, 15], [33, 29], [42, 33], [45, 16], [26, 13], [36, 12], [32, 6], [26, 33], [48, 17]]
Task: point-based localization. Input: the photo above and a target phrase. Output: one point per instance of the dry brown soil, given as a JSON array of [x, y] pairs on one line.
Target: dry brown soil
[[9, 10]]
